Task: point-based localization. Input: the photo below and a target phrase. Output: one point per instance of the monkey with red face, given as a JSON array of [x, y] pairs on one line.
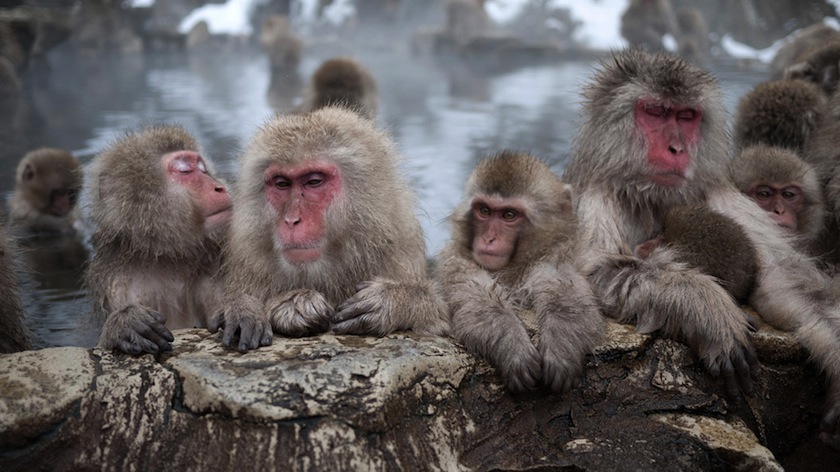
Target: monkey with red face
[[159, 217], [324, 234], [511, 255], [654, 137]]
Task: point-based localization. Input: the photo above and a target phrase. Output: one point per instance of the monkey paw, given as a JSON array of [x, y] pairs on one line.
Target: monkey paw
[[830, 425], [242, 318], [135, 330], [560, 373], [521, 368], [300, 313], [366, 312], [738, 369]]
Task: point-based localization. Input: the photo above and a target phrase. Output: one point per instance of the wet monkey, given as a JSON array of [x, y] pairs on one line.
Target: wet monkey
[[324, 236], [47, 183], [512, 253], [345, 82], [159, 217], [653, 138]]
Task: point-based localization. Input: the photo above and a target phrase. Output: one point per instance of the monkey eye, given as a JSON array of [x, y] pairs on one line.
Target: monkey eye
[[764, 193], [484, 211], [656, 110], [510, 215], [202, 166], [182, 165], [282, 183], [686, 115], [314, 180], [790, 193]]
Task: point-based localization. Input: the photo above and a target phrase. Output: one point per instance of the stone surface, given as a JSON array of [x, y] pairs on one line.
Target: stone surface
[[401, 402]]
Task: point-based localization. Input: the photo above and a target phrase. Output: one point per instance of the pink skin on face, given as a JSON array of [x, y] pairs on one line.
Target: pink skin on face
[[498, 223], [188, 169], [670, 132], [301, 195], [783, 202]]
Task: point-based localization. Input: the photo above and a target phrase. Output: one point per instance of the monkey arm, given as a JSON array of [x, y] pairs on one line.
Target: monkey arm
[[135, 329], [242, 316], [484, 320], [662, 294], [569, 321], [300, 313], [382, 306]]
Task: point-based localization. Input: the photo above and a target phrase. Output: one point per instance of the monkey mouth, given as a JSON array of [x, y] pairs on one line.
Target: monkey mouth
[[217, 217], [301, 253], [668, 179], [491, 260]]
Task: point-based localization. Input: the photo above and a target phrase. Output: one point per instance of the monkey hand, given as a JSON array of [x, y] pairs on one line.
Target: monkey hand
[[738, 368], [368, 311], [561, 371], [518, 362], [300, 313], [134, 330], [242, 317]]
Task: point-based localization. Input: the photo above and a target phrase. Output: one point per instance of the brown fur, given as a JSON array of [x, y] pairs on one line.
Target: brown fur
[[14, 336], [780, 113], [821, 66], [618, 209], [645, 22], [693, 38], [778, 165], [715, 244], [342, 82], [41, 173], [796, 49], [373, 277], [487, 305], [281, 44], [152, 256]]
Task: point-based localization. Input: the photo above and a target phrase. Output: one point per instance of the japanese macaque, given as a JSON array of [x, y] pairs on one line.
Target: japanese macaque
[[47, 183], [159, 217], [345, 82], [654, 138], [779, 113], [281, 44], [803, 43], [821, 66], [324, 234], [715, 244], [645, 22], [693, 38], [509, 266], [466, 20], [14, 336], [785, 186]]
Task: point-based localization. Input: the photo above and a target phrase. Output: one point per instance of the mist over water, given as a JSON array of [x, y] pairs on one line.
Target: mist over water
[[443, 119]]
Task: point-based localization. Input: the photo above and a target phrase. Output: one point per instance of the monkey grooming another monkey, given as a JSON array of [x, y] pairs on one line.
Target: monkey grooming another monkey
[[654, 138], [47, 183], [159, 218], [512, 249], [324, 233], [344, 82]]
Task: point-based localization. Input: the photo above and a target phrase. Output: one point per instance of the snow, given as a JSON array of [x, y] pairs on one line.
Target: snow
[[600, 19]]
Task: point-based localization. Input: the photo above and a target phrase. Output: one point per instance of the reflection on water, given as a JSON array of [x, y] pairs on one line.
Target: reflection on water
[[443, 121]]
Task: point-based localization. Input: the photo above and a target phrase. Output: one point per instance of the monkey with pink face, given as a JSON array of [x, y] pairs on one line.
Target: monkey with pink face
[[324, 236], [159, 218], [654, 137]]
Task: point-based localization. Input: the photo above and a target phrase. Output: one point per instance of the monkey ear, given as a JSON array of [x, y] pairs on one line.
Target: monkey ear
[[28, 173]]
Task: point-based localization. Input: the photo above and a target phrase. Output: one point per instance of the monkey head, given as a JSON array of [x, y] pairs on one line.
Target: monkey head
[[784, 185], [154, 192], [49, 179], [515, 206]]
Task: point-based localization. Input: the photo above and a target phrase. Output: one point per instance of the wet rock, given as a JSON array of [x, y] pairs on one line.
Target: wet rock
[[401, 402]]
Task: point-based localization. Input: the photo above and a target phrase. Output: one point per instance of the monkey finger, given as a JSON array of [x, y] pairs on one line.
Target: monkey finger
[[229, 334], [730, 382], [247, 335], [359, 325], [744, 373], [158, 317], [129, 347], [216, 321], [351, 309]]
